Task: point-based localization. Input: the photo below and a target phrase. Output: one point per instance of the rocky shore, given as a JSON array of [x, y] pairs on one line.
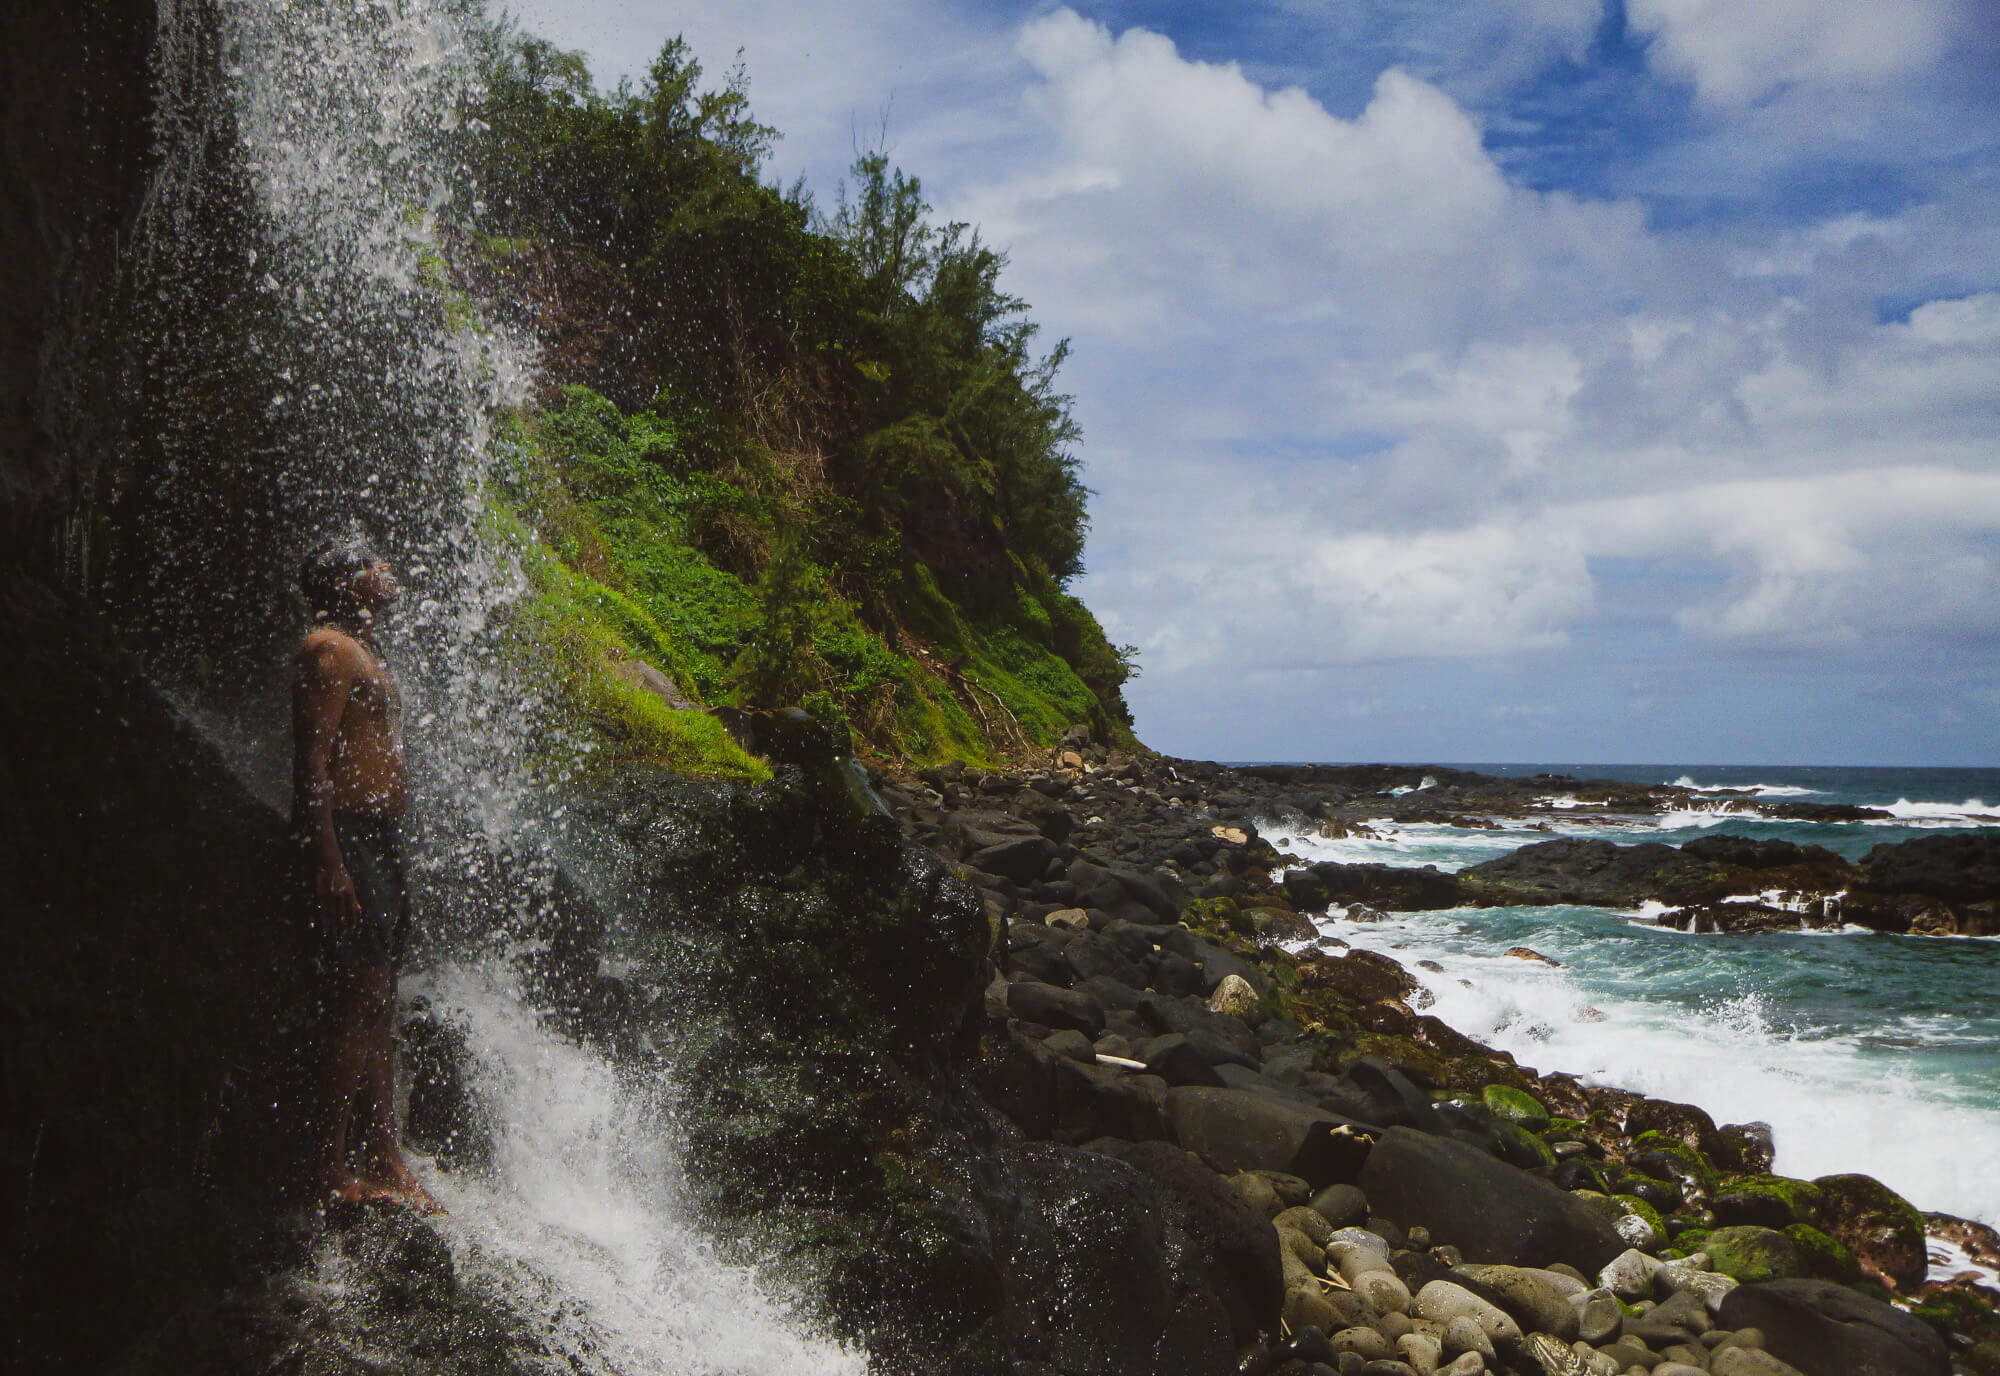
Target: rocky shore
[[1946, 885], [1375, 1192]]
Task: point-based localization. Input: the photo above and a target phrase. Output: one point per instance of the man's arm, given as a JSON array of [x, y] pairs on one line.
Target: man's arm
[[319, 700]]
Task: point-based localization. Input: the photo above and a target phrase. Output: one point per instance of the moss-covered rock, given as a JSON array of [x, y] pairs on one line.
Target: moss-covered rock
[[1769, 1201], [1686, 1243], [1751, 1254], [1515, 1106], [1650, 1152], [1883, 1230], [1519, 1147], [1823, 1255], [1638, 1222]]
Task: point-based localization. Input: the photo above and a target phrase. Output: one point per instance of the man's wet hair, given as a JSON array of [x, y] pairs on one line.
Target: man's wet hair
[[327, 575]]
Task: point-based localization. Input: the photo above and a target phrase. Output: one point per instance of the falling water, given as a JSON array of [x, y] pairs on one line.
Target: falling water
[[316, 371]]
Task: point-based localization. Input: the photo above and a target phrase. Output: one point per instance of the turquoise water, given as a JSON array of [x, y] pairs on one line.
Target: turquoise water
[[1864, 1052]]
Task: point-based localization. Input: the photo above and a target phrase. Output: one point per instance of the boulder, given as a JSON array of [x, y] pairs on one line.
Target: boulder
[[1392, 888], [1239, 1247], [1531, 1301], [1751, 1254], [1883, 1230], [1825, 1329], [1088, 1234], [1489, 1210], [1092, 1102], [1233, 998], [1444, 1302], [1128, 894], [1362, 976], [1239, 1130], [1023, 859], [1958, 866], [1172, 1059], [1032, 1001]]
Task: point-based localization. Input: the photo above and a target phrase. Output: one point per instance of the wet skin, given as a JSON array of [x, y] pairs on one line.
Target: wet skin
[[349, 756]]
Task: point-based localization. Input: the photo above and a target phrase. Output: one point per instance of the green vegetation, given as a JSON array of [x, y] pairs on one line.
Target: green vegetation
[[783, 457]]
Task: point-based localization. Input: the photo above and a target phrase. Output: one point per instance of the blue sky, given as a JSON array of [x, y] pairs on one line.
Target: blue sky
[[1497, 380]]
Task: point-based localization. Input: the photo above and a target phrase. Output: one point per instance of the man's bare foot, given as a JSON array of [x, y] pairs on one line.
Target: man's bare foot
[[396, 1182], [355, 1192]]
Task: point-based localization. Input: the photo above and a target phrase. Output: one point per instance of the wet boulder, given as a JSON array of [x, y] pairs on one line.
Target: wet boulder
[[1883, 1230], [1489, 1210], [1825, 1329]]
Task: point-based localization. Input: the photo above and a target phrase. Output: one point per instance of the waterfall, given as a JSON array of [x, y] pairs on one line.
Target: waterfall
[[313, 368]]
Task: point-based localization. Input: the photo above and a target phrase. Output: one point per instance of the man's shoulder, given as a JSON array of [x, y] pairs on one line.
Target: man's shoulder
[[329, 647]]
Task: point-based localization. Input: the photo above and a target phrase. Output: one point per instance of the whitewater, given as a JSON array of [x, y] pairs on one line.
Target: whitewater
[[1864, 1052]]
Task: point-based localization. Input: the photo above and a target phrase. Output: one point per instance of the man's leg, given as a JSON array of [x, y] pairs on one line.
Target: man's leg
[[361, 1007], [386, 1167]]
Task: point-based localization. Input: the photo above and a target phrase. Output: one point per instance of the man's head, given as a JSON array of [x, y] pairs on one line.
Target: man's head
[[343, 579]]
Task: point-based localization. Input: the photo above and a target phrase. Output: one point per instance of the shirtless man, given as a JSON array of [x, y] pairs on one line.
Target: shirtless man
[[350, 788]]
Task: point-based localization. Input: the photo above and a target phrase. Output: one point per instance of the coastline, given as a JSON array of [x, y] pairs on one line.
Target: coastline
[[1041, 845]]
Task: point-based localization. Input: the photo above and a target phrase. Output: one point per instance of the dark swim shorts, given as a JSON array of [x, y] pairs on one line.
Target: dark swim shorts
[[372, 848]]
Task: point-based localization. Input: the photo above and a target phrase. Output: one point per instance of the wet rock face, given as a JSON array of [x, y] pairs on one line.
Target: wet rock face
[[158, 996], [76, 82]]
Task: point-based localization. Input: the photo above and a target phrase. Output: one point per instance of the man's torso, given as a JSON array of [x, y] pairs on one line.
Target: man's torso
[[367, 770]]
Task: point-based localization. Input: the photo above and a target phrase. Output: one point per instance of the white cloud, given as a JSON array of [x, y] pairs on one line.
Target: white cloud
[[1736, 52]]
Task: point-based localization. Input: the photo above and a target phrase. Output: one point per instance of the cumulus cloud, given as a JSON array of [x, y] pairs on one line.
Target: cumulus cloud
[[1736, 53]]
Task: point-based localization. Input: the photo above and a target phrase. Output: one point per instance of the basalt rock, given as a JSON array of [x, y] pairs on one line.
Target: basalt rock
[[1825, 1329], [1489, 1210]]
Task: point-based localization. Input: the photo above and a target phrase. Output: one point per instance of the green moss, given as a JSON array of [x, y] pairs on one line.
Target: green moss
[[1688, 1243], [1823, 1255], [1515, 1106], [1691, 1164], [1800, 1199], [1521, 1147], [1753, 1255], [1633, 1206]]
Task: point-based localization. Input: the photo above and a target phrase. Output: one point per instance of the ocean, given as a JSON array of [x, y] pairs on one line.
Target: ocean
[[1870, 1053]]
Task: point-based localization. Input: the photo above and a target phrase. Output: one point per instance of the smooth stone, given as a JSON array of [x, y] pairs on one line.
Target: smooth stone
[[1685, 1354], [1341, 1205], [1254, 1187], [1677, 1277], [1393, 1325], [1533, 1302], [1599, 1320], [1233, 998], [1443, 1300], [1423, 1352], [1562, 1282], [1679, 1369], [1388, 1366], [1364, 1343], [1463, 1334], [1551, 1357], [1742, 1337], [1464, 1364], [1353, 1260], [1304, 1248], [1383, 1292], [1308, 1221], [1360, 1237], [1682, 1318], [1748, 1361], [1629, 1274], [1629, 1352], [1069, 1042]]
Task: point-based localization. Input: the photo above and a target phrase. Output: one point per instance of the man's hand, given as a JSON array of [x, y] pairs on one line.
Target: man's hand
[[337, 898]]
